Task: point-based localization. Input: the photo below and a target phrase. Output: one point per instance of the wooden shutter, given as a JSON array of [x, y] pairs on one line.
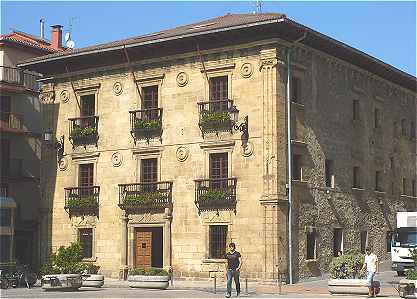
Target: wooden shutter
[[218, 92]]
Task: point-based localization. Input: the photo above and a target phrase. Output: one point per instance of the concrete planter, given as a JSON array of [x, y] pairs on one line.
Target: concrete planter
[[148, 282], [408, 288], [93, 280], [61, 282], [351, 286]]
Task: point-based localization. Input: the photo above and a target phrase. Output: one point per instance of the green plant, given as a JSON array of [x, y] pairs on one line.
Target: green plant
[[209, 119], [214, 195], [412, 273], [143, 198], [82, 202], [78, 132], [150, 124], [148, 271], [66, 260], [91, 268], [347, 266]]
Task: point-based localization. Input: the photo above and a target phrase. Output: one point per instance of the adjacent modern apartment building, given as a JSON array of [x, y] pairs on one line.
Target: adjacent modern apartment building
[[175, 144], [20, 132]]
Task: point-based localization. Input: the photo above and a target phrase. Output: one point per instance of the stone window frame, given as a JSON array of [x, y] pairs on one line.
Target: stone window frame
[[342, 239], [220, 70], [84, 91], [150, 80], [298, 72], [93, 257], [148, 153], [215, 148], [329, 173], [88, 158], [206, 226]]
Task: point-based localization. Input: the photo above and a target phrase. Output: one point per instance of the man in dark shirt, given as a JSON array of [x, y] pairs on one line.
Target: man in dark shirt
[[232, 269]]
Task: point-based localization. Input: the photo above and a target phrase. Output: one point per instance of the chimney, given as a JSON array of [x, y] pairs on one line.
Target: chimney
[[56, 37]]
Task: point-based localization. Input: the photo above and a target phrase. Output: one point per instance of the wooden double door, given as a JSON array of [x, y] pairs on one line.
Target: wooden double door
[[149, 247]]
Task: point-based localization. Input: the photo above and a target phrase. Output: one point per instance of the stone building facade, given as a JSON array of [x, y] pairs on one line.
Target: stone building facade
[[157, 172]]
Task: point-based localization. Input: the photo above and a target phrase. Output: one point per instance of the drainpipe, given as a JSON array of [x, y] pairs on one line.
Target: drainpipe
[[289, 150]]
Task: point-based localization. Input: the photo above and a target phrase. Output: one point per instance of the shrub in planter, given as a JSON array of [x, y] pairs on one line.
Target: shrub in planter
[[78, 132], [148, 271], [143, 198], [347, 266], [153, 278], [91, 278], [213, 196], [80, 202], [213, 119], [144, 124], [412, 273]]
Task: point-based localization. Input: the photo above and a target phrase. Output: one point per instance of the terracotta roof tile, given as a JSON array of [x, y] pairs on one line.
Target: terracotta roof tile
[[28, 40]]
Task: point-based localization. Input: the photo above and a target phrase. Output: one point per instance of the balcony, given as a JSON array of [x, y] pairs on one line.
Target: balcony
[[145, 197], [215, 194], [83, 130], [19, 78], [11, 122], [215, 116], [146, 124], [82, 200]]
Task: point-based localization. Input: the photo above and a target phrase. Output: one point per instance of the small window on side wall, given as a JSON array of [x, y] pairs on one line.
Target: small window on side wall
[[329, 173], [364, 240], [356, 177], [85, 236], [377, 118], [217, 241], [296, 89], [311, 245], [296, 167], [337, 241]]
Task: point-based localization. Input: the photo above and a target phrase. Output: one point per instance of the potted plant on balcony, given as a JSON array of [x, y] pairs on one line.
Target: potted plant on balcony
[[63, 270], [347, 276], [408, 286], [91, 278], [147, 125], [149, 278], [79, 133], [215, 120], [214, 197], [143, 199], [76, 201]]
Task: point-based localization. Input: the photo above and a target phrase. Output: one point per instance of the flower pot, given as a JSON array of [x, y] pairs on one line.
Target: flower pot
[[93, 280], [148, 282], [351, 286], [61, 282]]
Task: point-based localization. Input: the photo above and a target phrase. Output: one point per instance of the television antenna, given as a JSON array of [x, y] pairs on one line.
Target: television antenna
[[69, 42], [258, 7]]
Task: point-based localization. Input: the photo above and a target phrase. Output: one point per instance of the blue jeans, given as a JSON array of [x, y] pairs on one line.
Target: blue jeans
[[370, 278], [233, 274]]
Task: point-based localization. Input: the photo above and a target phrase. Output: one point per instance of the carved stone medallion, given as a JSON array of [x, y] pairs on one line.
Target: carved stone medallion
[[246, 70], [117, 88], [116, 159], [47, 97], [182, 153], [182, 79], [64, 96], [247, 149], [63, 164]]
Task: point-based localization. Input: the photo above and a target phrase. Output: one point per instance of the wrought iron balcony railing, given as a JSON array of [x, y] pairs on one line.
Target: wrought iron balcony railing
[[82, 200], [83, 130], [145, 196], [13, 121], [215, 194], [19, 77], [215, 116], [145, 124]]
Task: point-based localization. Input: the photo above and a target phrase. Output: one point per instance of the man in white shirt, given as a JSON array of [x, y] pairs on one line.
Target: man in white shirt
[[371, 263]]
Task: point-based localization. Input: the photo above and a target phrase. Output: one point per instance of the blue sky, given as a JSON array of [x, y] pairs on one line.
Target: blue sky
[[386, 30]]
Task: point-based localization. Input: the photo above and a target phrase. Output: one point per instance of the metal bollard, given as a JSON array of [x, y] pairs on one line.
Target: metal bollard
[[215, 286], [246, 286]]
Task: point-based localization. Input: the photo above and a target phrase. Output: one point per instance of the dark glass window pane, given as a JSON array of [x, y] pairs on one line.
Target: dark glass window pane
[[86, 175], [88, 105], [150, 101], [5, 217], [296, 167], [337, 241], [217, 241], [5, 243], [311, 244], [218, 92], [149, 174], [86, 241]]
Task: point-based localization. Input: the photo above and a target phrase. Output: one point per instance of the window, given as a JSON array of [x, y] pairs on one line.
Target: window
[[356, 177], [5, 109], [5, 246], [218, 88], [149, 173], [296, 167], [311, 244], [88, 105], [85, 236], [86, 177], [356, 110], [412, 130], [150, 101], [377, 118], [404, 187], [388, 239], [337, 241], [217, 241], [391, 163], [413, 188], [378, 181], [218, 170], [364, 240], [4, 189], [296, 89], [403, 127], [5, 217], [329, 173]]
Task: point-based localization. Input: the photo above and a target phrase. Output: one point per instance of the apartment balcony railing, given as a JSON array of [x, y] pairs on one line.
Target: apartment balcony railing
[[145, 124], [141, 197], [15, 169], [83, 130], [11, 121], [215, 194], [82, 200], [215, 116], [19, 77]]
